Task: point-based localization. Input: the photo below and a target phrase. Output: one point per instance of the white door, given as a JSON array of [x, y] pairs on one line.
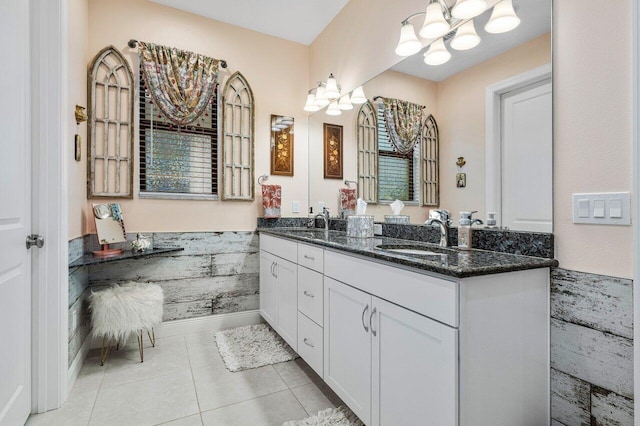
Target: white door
[[268, 288], [15, 214], [347, 346], [287, 276], [527, 201], [414, 368]]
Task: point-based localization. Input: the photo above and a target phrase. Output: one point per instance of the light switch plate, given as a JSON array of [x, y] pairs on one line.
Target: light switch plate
[[295, 207], [604, 208], [377, 229]]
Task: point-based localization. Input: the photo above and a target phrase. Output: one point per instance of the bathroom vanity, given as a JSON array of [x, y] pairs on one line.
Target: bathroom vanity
[[447, 338]]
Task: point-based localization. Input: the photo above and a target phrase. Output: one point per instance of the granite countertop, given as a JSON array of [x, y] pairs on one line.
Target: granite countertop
[[448, 261]]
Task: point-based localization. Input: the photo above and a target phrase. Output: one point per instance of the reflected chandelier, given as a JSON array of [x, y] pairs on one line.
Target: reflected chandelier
[[440, 21], [328, 93]]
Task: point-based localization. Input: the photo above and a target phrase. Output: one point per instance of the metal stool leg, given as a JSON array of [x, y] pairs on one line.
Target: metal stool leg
[[140, 345], [152, 337], [104, 352]]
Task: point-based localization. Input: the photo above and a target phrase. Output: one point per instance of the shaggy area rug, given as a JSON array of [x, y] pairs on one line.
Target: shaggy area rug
[[340, 416], [252, 346]]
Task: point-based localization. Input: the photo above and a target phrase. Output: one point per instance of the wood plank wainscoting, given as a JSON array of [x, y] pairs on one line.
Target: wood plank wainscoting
[[591, 349], [217, 273]]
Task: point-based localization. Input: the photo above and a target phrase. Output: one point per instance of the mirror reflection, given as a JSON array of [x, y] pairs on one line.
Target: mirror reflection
[[490, 106]]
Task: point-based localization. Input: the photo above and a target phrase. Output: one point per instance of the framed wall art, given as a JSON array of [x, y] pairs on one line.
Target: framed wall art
[[332, 151], [281, 145]]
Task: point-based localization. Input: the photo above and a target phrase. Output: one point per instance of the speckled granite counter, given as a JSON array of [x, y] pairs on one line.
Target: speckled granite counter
[[448, 261]]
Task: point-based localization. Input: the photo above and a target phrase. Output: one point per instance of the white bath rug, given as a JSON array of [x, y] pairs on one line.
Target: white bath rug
[[340, 416], [252, 346]]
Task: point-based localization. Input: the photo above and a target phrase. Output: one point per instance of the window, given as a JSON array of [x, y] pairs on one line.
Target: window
[[397, 173], [178, 161]]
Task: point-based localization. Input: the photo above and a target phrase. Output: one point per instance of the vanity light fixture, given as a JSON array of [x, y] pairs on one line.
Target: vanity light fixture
[[466, 37], [328, 93], [358, 97], [333, 109], [440, 22], [437, 53], [345, 103], [503, 18]]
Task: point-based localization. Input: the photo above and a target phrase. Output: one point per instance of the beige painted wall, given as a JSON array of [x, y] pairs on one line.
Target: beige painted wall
[[592, 129], [390, 84], [592, 107], [78, 40], [461, 121], [277, 71]]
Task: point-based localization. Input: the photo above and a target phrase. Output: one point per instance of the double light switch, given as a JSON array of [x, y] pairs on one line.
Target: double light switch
[[610, 208]]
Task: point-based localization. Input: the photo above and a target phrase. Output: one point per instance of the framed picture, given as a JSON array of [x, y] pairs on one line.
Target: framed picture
[[281, 145], [461, 180], [332, 151]]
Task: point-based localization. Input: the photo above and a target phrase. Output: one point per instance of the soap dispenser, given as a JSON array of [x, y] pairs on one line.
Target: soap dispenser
[[464, 231]]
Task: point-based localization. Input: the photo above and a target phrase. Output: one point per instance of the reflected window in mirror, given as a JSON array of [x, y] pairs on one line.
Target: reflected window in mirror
[[430, 167], [368, 153]]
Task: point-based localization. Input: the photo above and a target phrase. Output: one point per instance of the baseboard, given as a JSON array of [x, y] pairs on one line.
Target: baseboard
[[78, 361], [208, 324]]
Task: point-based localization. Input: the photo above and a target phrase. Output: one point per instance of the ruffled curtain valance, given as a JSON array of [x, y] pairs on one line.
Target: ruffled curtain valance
[[404, 123], [181, 83]]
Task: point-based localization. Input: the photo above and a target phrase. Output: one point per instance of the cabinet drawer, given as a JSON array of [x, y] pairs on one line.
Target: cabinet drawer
[[280, 247], [430, 296], [311, 257], [310, 339], [310, 294]]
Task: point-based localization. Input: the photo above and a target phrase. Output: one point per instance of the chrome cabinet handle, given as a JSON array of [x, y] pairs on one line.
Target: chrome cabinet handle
[[371, 321], [275, 269], [366, 308], [272, 266], [309, 257], [306, 342], [306, 293]]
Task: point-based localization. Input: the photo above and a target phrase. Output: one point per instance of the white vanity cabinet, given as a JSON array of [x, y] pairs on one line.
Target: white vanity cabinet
[[279, 287], [389, 365], [402, 346]]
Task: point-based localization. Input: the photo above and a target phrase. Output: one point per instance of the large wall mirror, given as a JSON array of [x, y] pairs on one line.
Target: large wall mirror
[[490, 105]]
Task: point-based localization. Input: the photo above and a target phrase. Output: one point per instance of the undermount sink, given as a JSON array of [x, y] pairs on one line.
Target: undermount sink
[[414, 250]]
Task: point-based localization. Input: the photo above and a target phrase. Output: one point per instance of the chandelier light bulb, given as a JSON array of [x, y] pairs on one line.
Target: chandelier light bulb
[[434, 23], [311, 106], [357, 96], [466, 9], [345, 103], [503, 18], [437, 53], [333, 109], [331, 90], [466, 37], [408, 43]]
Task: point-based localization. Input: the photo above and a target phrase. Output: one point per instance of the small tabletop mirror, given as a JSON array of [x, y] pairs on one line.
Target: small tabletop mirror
[[110, 228]]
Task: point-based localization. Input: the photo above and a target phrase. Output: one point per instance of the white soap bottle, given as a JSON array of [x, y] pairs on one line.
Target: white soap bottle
[[464, 231]]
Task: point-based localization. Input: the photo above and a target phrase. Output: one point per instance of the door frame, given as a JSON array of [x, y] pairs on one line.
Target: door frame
[[493, 141], [50, 150]]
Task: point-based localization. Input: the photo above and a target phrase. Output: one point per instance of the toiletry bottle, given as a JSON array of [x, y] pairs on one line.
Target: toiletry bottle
[[491, 219], [464, 231], [311, 216]]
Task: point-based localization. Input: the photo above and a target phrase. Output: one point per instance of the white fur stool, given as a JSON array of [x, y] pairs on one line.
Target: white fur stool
[[124, 309]]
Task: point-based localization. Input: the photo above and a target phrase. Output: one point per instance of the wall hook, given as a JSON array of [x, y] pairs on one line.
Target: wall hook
[[460, 162], [81, 116]]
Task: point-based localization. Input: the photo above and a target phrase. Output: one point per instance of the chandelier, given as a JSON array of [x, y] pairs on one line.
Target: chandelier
[[440, 21], [327, 93]]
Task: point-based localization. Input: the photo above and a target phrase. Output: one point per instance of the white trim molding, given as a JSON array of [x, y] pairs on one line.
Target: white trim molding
[[493, 152], [635, 212], [49, 112]]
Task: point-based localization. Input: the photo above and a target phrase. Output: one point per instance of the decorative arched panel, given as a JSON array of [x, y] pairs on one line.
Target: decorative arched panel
[[110, 126], [367, 128], [430, 163], [238, 140]]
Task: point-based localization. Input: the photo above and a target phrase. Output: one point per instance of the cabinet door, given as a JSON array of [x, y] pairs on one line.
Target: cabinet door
[[347, 345], [414, 368], [268, 289], [287, 277]]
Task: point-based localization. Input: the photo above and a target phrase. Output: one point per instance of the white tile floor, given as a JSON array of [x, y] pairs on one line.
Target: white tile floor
[[183, 382]]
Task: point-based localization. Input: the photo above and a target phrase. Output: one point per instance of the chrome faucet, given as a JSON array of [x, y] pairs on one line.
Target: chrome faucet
[[443, 223], [324, 216]]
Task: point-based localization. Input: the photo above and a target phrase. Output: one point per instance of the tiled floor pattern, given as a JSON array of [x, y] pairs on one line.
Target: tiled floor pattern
[[183, 382]]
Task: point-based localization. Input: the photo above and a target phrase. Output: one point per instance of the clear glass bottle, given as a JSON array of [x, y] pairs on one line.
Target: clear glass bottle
[[464, 231]]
